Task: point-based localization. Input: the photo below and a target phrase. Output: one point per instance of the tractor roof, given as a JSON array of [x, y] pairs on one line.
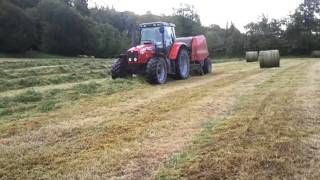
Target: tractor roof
[[156, 24]]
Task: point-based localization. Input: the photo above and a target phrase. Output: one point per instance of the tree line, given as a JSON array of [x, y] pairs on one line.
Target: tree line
[[71, 28]]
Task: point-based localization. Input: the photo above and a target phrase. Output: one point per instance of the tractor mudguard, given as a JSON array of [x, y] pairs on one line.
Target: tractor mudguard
[[175, 50]]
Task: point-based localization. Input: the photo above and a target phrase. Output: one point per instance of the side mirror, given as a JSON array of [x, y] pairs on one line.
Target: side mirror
[[161, 30]]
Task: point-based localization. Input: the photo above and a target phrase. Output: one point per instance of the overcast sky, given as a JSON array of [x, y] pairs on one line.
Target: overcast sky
[[240, 12]]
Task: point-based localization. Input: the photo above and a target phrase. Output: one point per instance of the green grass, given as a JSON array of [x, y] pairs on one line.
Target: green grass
[[60, 75], [49, 105], [38, 102], [29, 76], [29, 96], [90, 88]]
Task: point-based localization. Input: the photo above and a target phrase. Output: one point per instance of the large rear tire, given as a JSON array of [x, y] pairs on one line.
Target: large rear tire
[[183, 64], [207, 67], [157, 71], [120, 69]]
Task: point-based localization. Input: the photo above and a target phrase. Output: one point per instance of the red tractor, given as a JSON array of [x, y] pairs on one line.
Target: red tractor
[[160, 53]]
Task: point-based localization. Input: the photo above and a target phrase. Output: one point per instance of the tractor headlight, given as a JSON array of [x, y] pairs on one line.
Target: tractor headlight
[[135, 59]]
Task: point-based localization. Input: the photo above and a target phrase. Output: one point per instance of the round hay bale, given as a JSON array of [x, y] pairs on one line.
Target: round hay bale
[[315, 53], [252, 56], [269, 59]]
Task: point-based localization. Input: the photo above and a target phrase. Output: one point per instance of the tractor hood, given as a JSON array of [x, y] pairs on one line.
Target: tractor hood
[[141, 53], [142, 48]]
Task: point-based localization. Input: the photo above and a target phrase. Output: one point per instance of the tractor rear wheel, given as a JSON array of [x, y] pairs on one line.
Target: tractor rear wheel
[[183, 64], [119, 69], [157, 71], [207, 67]]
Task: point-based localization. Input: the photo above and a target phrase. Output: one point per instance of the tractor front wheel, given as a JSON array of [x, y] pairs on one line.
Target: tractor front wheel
[[119, 69], [183, 64], [157, 71]]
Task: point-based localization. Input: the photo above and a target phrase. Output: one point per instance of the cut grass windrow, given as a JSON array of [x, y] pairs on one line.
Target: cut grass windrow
[[141, 95], [33, 81], [11, 64], [49, 70], [13, 108]]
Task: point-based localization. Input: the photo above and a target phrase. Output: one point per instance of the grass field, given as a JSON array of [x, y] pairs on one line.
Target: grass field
[[66, 119]]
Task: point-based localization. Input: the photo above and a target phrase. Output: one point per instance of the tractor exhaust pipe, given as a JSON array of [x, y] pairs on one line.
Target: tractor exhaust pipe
[[133, 36]]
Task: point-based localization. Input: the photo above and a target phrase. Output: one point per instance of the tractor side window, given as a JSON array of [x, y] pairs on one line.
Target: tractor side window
[[168, 36]]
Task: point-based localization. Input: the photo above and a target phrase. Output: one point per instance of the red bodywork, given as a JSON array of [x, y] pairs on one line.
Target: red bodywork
[[199, 48], [197, 45], [144, 53]]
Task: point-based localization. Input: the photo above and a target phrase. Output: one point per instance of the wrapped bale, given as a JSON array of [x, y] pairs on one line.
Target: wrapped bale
[[315, 53], [269, 59], [252, 56]]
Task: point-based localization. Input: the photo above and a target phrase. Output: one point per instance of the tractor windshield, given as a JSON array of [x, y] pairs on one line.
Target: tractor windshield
[[151, 35]]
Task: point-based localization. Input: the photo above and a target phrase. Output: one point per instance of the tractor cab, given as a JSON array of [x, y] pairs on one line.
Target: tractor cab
[[161, 34]]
